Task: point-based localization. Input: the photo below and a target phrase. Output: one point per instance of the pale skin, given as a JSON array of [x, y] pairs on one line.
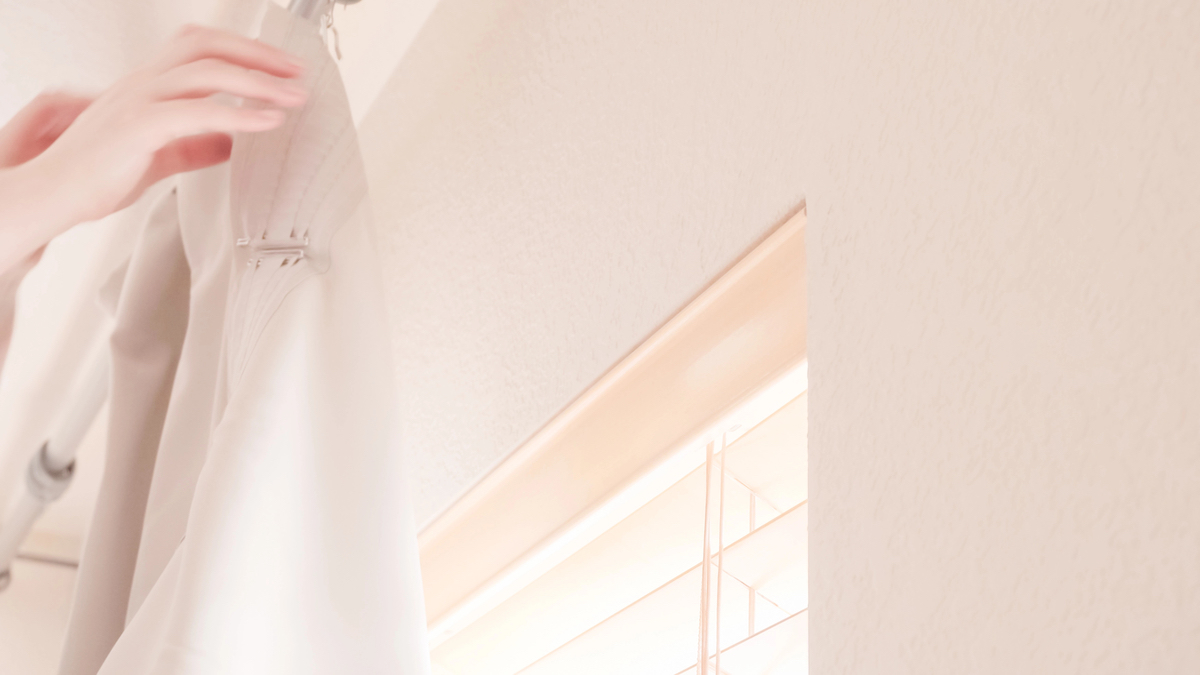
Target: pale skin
[[67, 159]]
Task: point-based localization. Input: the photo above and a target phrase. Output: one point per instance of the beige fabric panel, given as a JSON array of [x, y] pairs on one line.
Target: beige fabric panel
[[204, 224], [297, 551], [146, 342]]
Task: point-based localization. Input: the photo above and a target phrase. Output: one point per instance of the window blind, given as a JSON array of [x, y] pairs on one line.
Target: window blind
[[631, 600]]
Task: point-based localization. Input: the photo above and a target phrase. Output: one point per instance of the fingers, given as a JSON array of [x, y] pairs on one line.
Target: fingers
[[194, 43], [184, 154], [189, 154], [179, 118], [211, 76]]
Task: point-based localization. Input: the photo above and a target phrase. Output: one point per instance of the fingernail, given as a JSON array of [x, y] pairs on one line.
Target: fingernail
[[295, 63]]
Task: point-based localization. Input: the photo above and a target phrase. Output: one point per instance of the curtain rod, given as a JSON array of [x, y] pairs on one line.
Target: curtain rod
[[306, 8]]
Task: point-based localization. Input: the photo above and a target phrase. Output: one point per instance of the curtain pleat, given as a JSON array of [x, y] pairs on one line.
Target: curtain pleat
[[277, 535]]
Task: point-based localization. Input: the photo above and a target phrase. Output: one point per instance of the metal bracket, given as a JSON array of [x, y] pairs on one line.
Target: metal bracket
[[44, 481]]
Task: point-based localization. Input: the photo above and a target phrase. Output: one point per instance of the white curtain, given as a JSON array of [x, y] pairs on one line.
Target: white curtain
[[151, 318], [256, 518]]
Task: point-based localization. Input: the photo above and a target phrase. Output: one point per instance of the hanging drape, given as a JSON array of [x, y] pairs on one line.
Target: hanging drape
[[258, 522], [151, 315]]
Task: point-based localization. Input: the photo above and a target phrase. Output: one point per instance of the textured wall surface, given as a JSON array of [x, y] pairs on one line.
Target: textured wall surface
[[552, 181], [1004, 326]]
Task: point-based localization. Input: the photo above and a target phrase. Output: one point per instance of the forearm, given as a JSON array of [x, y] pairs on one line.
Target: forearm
[[34, 208]]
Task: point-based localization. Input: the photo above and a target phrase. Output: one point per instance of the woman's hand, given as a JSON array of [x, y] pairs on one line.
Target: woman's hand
[[161, 120], [73, 159], [26, 136], [37, 125], [67, 159]]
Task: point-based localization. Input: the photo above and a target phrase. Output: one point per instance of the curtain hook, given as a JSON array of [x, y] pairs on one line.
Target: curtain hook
[[330, 29]]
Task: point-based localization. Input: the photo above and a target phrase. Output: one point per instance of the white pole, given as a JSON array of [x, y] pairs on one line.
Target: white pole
[[20, 520], [87, 396], [51, 468]]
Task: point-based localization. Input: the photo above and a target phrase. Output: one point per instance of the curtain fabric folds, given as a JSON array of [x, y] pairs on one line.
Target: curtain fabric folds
[[151, 316], [274, 533]]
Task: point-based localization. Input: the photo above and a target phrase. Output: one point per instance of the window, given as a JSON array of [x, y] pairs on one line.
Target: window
[[620, 586], [631, 600]]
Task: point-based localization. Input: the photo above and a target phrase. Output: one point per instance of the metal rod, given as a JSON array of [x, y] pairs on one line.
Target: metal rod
[[305, 9], [52, 467], [20, 521], [87, 396]]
